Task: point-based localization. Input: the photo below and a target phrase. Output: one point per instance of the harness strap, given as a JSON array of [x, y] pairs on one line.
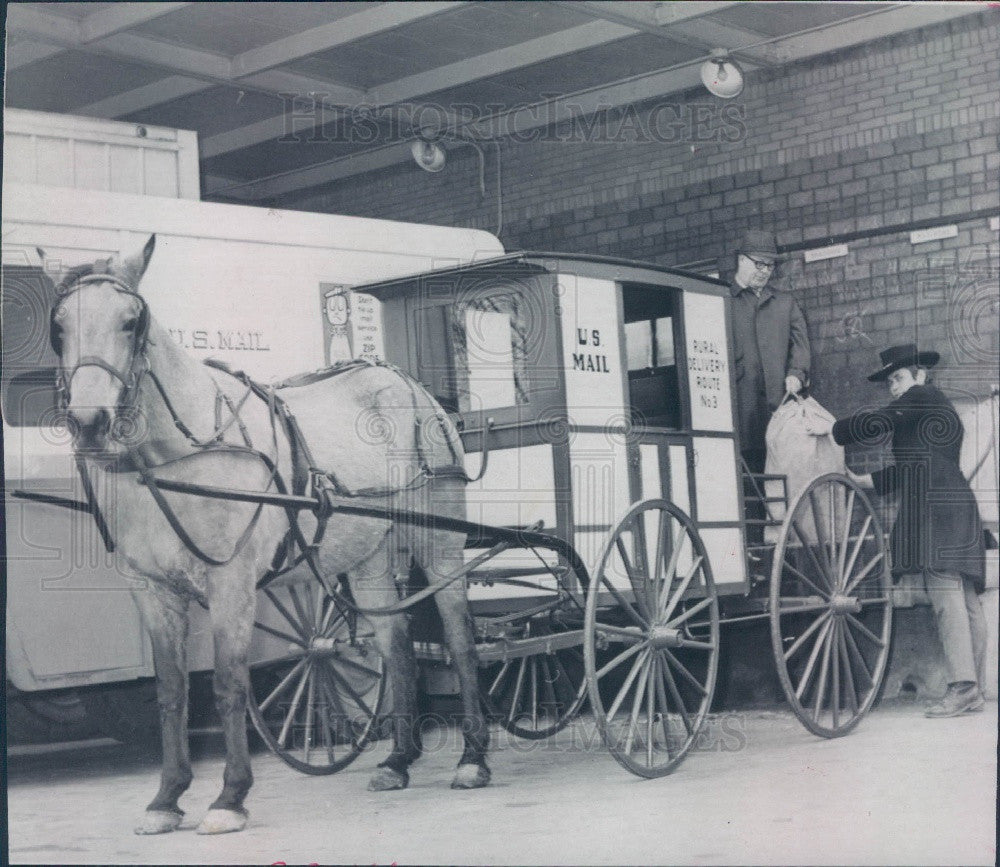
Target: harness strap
[[95, 510]]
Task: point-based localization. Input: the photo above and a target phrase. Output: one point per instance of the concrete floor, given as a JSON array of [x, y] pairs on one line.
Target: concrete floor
[[901, 789]]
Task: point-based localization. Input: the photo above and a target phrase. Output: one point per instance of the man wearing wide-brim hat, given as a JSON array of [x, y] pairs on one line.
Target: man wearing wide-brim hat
[[770, 343], [937, 531]]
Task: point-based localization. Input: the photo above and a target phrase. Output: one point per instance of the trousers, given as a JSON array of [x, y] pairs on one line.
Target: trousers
[[961, 625]]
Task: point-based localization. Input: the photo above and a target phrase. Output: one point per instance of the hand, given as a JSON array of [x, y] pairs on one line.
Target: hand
[[793, 385], [863, 481], [818, 427]]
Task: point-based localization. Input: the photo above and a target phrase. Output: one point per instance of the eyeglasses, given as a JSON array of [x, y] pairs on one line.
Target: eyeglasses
[[761, 266]]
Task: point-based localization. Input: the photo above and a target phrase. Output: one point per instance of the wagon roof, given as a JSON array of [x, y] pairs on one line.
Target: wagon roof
[[630, 269]]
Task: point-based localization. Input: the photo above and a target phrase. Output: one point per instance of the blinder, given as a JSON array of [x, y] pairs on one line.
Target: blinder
[[138, 366]]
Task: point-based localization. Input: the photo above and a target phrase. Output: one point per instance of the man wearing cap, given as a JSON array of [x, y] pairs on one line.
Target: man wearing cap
[[938, 531], [769, 340]]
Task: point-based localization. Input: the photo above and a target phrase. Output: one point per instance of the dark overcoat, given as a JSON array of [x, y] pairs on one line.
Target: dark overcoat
[[770, 341], [937, 526]]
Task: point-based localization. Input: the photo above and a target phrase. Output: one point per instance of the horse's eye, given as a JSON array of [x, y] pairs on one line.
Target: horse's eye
[[130, 325]]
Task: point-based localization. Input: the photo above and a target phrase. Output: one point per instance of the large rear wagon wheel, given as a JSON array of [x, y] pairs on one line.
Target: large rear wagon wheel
[[317, 706], [651, 639], [831, 605]]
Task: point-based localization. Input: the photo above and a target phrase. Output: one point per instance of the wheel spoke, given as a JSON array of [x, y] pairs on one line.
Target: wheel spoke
[[637, 666], [675, 694], [862, 535], [358, 700], [835, 661], [277, 633], [690, 612], [812, 556], [640, 691], [811, 664], [825, 594], [649, 712], [696, 645], [310, 710], [283, 685], [824, 668], [534, 691], [822, 542], [864, 572], [296, 625], [661, 697], [671, 572], [656, 588], [683, 672], [638, 591], [517, 690], [496, 681], [848, 674], [619, 659], [866, 632], [801, 640], [332, 696], [845, 538], [857, 655], [293, 593], [681, 590], [294, 707], [626, 605], [357, 666]]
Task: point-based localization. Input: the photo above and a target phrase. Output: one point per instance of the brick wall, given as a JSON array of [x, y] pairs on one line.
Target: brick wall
[[866, 140]]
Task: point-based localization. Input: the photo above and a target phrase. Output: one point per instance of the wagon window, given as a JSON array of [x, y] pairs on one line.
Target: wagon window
[[490, 346], [650, 327]]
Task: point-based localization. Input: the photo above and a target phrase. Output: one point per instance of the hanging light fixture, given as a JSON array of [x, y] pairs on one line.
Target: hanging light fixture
[[429, 155], [721, 76]]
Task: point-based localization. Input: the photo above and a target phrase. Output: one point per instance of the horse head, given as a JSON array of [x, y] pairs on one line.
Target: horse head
[[99, 328]]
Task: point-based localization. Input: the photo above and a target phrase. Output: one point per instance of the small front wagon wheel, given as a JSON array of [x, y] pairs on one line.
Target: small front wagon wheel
[[831, 605], [317, 706], [651, 639]]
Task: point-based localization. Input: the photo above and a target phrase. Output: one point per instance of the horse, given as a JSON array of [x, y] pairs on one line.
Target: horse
[[141, 408]]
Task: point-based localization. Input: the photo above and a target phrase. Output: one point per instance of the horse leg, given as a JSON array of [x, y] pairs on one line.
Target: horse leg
[[373, 585], [232, 613], [440, 555], [473, 772], [165, 616]]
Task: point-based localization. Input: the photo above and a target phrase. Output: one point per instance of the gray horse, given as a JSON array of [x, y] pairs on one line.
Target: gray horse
[[126, 384]]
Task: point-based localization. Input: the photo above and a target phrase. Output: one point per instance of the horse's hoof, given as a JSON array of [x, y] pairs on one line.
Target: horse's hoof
[[223, 821], [158, 822], [388, 780], [471, 777]]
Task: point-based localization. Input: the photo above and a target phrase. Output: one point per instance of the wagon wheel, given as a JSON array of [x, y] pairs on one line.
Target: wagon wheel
[[831, 605], [317, 705], [651, 639], [536, 696]]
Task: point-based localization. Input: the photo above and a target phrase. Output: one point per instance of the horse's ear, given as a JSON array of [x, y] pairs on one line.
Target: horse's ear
[[135, 266]]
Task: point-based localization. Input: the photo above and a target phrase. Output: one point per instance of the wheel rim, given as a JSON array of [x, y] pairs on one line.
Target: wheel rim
[[316, 707], [651, 640], [831, 605]]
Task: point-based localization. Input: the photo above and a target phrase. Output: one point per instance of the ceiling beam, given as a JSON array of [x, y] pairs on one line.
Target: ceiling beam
[[350, 28], [396, 92], [122, 16], [666, 21], [21, 52], [859, 29], [141, 98], [502, 60], [211, 69]]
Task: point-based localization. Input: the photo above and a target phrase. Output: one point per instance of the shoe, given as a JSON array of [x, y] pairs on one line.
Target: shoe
[[957, 700]]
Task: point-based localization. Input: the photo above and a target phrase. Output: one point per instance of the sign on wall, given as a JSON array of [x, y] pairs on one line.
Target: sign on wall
[[352, 324]]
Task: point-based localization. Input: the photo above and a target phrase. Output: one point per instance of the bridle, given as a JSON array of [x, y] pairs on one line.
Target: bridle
[[138, 367]]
